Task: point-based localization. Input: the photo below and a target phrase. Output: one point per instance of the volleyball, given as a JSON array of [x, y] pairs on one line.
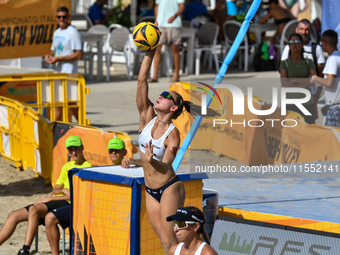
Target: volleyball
[[146, 35]]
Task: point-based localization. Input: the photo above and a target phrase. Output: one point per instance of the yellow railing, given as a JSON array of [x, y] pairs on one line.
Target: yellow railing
[[27, 139], [47, 92], [24, 137]]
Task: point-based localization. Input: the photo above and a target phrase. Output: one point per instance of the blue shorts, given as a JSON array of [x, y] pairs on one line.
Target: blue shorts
[[50, 206], [333, 116], [63, 215]]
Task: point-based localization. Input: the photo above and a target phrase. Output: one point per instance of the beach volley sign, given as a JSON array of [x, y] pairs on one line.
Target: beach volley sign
[[239, 104], [27, 27], [238, 236]]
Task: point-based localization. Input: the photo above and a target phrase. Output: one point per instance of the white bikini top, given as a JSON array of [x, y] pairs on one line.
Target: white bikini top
[[198, 252], [158, 145]]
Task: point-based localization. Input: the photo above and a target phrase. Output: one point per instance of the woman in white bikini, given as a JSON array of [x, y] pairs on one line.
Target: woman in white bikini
[[159, 141], [189, 229]]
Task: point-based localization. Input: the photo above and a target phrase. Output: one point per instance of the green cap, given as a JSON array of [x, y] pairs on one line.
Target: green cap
[[73, 140], [116, 143]]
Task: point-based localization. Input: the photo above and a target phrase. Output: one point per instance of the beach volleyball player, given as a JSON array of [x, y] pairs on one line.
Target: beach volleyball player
[[159, 141]]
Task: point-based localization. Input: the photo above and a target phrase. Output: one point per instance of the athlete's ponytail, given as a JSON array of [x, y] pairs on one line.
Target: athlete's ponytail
[[191, 108], [201, 232]]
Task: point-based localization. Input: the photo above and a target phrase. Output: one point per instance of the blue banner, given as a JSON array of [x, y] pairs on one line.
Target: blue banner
[[330, 16]]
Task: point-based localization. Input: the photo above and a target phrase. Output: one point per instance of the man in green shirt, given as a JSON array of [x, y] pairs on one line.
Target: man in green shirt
[[34, 214]]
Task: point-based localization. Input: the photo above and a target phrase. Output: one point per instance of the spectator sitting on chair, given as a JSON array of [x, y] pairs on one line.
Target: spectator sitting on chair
[[117, 154], [60, 197], [294, 6], [280, 15], [97, 14], [194, 9], [62, 215], [219, 15], [331, 80]]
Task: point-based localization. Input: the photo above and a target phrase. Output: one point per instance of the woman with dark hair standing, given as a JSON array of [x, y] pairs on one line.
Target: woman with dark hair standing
[[159, 141], [293, 70], [189, 228]]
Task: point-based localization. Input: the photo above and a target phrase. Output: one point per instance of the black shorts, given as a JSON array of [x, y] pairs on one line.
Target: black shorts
[[50, 206], [63, 215]]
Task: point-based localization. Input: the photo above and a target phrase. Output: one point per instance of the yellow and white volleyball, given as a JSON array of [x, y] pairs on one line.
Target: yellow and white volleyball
[[146, 35]]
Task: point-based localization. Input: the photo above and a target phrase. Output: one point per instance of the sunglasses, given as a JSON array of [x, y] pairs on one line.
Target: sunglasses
[[296, 42], [183, 224], [167, 95], [64, 17]]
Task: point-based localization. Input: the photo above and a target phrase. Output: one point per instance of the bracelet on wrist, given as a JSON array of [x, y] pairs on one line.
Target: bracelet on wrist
[[175, 16]]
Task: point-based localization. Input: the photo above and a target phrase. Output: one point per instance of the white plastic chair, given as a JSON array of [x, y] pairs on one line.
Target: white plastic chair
[[81, 17], [231, 29], [196, 23], [206, 41], [90, 49], [147, 19], [119, 45], [287, 31]]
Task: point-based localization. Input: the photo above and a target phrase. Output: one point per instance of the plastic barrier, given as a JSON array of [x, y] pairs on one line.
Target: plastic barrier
[[46, 91], [22, 129]]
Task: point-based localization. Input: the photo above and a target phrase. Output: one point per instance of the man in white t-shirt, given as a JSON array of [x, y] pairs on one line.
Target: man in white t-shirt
[[66, 50], [304, 28], [168, 15], [66, 45], [331, 80]]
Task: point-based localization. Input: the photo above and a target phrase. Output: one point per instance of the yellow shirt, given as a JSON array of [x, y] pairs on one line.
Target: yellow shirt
[[63, 178]]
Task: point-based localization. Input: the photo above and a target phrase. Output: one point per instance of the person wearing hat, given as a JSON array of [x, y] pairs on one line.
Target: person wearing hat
[[60, 197], [62, 215], [117, 152], [189, 229]]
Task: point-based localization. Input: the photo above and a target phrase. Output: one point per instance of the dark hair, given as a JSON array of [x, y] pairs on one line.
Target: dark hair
[[201, 231], [305, 22], [191, 108], [301, 40], [331, 37], [62, 9], [273, 1]]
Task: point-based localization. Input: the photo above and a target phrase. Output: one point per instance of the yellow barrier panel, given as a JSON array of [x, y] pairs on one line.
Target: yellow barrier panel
[[28, 140], [22, 129], [10, 111], [48, 91]]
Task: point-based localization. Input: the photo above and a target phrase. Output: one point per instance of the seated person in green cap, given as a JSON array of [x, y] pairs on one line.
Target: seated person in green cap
[[60, 197], [117, 152]]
